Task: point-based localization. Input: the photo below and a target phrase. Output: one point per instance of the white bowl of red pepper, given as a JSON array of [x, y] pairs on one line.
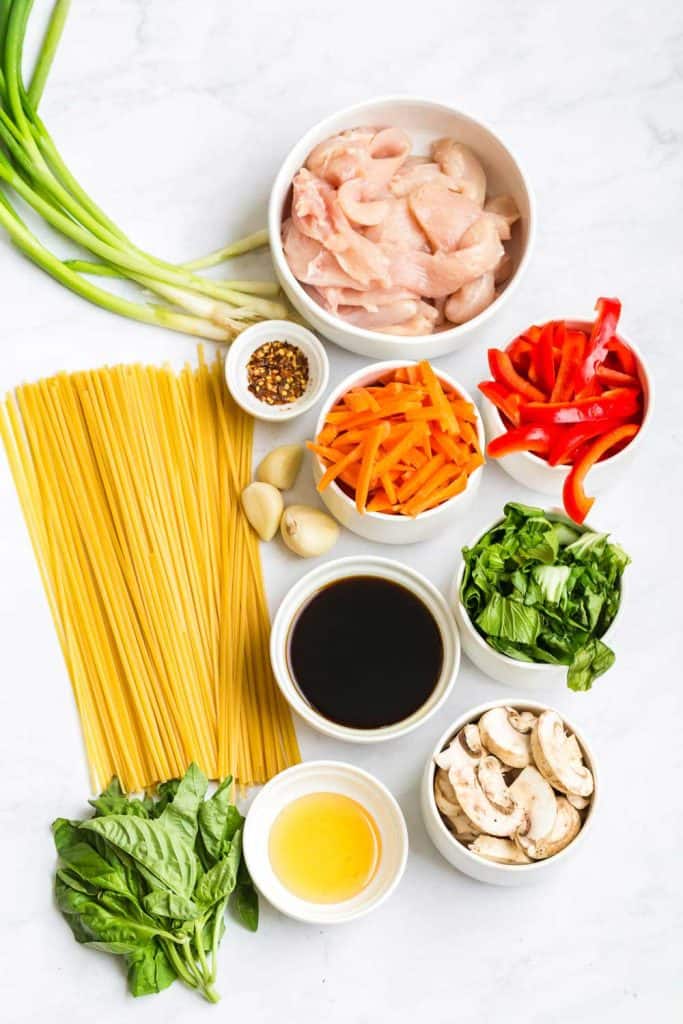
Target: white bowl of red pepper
[[276, 370], [558, 443]]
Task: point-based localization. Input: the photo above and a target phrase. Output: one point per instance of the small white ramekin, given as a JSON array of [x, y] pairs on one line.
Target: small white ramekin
[[471, 863], [343, 568], [535, 473], [378, 526], [240, 353], [424, 121], [326, 777], [527, 674]]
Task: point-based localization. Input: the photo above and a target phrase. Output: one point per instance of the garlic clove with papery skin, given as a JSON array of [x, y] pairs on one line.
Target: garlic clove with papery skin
[[263, 504], [281, 466]]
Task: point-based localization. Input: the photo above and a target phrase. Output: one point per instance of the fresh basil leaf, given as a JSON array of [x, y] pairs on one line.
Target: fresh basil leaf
[[114, 801], [180, 816], [245, 899], [85, 861], [162, 853], [161, 903], [149, 970], [101, 923], [220, 880], [218, 820], [166, 791]]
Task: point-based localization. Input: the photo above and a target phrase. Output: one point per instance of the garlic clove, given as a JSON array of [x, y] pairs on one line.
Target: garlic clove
[[281, 466], [308, 532], [263, 504]]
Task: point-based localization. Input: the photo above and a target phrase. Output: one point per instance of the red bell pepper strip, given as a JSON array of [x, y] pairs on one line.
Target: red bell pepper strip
[[542, 359], [577, 504], [531, 438], [624, 356], [603, 330], [505, 401], [504, 372], [566, 440], [615, 378], [533, 333], [571, 346], [621, 403]]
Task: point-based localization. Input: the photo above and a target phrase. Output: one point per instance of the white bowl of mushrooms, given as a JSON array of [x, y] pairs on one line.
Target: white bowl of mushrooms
[[509, 792]]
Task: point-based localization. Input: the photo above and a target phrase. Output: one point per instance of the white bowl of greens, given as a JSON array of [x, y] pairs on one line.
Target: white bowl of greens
[[537, 598]]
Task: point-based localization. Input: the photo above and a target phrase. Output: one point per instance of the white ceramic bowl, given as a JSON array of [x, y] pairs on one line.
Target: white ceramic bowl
[[240, 353], [530, 675], [424, 121], [326, 777], [536, 474], [471, 863], [378, 526], [362, 565]]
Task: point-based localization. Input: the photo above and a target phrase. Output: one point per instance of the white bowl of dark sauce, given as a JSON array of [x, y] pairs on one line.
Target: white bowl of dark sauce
[[364, 649]]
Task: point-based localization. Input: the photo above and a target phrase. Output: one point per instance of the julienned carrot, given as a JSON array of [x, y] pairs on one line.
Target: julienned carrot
[[367, 466], [401, 445]]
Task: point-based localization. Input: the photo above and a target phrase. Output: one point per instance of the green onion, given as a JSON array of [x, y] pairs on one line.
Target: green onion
[[32, 170]]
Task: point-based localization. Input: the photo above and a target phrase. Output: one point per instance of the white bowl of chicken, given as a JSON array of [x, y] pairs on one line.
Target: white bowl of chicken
[[509, 792], [399, 226]]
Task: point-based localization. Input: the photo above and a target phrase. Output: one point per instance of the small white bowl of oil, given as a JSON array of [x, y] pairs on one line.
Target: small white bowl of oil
[[325, 842]]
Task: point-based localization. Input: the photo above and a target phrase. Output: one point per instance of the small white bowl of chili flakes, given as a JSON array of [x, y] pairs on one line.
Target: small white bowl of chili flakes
[[276, 370]]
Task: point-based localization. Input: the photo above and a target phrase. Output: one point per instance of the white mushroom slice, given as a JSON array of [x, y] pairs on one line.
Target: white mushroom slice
[[559, 757], [447, 803], [492, 782], [523, 721], [535, 795], [464, 777], [503, 738], [468, 739], [580, 802], [502, 851], [566, 828]]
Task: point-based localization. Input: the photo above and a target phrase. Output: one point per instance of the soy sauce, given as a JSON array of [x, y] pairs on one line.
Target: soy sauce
[[365, 652]]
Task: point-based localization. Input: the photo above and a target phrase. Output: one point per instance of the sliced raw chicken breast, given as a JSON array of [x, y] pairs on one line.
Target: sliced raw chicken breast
[[356, 198], [422, 323], [459, 162], [443, 215], [471, 299], [342, 157], [399, 229], [311, 262], [391, 314], [371, 300]]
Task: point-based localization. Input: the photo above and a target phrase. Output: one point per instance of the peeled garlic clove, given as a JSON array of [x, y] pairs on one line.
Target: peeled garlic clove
[[263, 504], [281, 466], [308, 532]]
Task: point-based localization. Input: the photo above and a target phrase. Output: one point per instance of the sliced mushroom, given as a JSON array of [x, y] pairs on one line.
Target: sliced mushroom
[[566, 827], [556, 755], [500, 735], [502, 851], [464, 777], [535, 795], [580, 802], [468, 739], [523, 721], [448, 805], [492, 782]]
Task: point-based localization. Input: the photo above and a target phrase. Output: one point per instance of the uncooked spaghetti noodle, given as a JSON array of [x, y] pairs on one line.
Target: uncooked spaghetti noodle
[[129, 478]]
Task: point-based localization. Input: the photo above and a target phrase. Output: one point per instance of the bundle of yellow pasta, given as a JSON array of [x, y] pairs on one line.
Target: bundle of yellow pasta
[[129, 478]]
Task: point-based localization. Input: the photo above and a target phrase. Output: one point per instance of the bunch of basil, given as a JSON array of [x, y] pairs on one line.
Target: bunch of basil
[[150, 879], [539, 590]]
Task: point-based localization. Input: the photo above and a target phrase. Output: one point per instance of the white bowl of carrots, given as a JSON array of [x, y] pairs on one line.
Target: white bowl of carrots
[[568, 407], [397, 454]]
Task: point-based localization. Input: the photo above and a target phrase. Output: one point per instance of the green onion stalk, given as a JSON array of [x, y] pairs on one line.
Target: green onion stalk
[[32, 171]]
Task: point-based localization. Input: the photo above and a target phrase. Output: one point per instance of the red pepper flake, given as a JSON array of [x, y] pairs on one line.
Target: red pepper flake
[[277, 373]]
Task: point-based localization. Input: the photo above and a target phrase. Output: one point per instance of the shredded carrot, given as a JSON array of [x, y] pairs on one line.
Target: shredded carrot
[[401, 445]]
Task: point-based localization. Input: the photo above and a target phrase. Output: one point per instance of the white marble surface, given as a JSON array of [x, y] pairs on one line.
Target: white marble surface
[[175, 115]]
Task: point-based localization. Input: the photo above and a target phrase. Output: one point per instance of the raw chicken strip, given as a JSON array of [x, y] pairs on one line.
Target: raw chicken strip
[[342, 157], [438, 274], [422, 323], [504, 206], [394, 313], [503, 268], [316, 212], [459, 162], [443, 215], [370, 300], [471, 299], [311, 262], [356, 200], [414, 172], [399, 229], [389, 149]]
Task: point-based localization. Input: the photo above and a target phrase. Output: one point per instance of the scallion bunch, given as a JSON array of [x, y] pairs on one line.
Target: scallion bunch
[[32, 171]]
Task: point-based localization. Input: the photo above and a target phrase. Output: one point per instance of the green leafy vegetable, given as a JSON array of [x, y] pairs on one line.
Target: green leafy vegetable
[[537, 590], [149, 880]]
